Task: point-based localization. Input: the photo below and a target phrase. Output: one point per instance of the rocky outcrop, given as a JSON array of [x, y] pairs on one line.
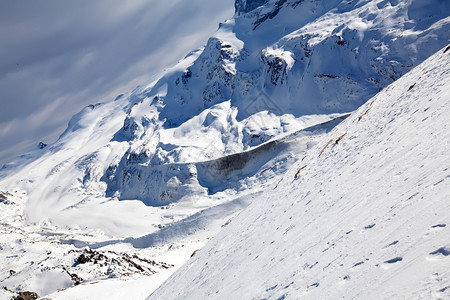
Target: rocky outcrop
[[245, 6]]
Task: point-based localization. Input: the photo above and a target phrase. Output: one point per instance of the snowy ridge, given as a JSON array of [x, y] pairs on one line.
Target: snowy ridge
[[198, 179], [367, 208]]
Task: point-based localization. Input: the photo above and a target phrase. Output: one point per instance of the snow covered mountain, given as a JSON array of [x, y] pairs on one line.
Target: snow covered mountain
[[364, 216], [160, 170]]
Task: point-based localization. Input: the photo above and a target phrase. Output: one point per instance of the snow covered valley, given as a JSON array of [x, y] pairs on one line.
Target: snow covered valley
[[289, 158]]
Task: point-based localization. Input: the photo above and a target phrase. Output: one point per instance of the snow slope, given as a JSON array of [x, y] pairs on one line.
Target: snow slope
[[364, 216]]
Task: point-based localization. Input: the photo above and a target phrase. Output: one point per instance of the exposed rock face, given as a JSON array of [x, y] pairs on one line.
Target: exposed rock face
[[26, 296], [245, 6]]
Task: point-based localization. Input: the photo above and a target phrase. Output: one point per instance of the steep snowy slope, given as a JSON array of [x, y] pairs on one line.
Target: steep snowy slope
[[364, 216]]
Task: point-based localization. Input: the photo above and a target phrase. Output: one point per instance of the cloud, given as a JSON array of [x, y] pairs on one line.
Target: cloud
[[58, 56]]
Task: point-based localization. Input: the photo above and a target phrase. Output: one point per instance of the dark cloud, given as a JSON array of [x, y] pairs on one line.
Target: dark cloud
[[57, 56]]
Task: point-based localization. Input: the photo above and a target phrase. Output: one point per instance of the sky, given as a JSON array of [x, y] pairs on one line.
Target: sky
[[57, 56]]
